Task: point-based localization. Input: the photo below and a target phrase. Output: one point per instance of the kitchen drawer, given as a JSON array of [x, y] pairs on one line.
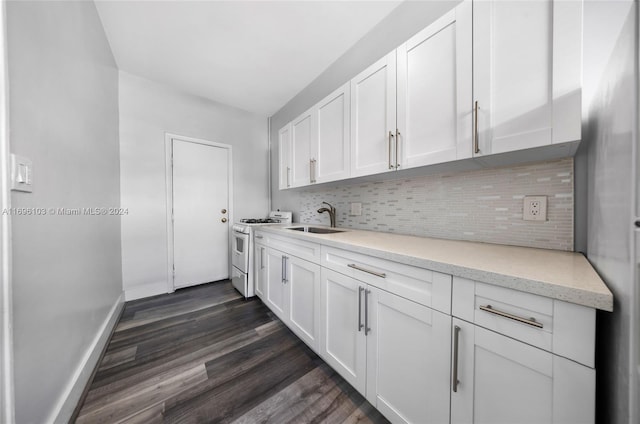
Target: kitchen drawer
[[290, 245], [559, 327], [423, 286]]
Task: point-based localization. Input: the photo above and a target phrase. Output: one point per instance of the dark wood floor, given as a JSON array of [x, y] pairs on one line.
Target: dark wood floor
[[203, 354]]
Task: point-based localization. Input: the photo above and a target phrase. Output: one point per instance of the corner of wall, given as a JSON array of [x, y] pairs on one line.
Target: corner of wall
[[75, 390]]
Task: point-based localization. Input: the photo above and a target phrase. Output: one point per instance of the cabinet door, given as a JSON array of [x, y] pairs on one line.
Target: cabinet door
[[342, 339], [526, 81], [284, 136], [275, 285], [302, 133], [332, 151], [434, 92], [501, 380], [373, 118], [408, 354], [303, 291], [260, 269]]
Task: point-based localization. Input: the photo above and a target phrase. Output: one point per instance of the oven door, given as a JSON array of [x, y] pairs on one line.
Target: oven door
[[240, 251]]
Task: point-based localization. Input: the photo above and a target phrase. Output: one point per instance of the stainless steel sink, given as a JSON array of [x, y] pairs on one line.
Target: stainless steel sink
[[315, 230]]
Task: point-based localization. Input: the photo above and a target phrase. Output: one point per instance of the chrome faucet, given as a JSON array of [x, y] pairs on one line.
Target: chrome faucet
[[332, 213]]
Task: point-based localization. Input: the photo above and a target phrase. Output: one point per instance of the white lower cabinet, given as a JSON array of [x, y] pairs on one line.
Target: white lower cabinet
[[303, 291], [391, 349], [275, 287], [343, 343], [424, 347], [259, 266], [408, 350], [292, 292], [496, 379]]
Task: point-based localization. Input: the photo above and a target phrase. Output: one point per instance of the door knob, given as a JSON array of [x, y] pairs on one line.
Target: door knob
[[224, 219], [223, 211]]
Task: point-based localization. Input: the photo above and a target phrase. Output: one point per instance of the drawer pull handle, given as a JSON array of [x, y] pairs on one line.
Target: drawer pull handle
[[528, 321], [377, 274], [259, 237]]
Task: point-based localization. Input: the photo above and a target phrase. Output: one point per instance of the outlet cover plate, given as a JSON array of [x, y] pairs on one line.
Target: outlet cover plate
[[534, 208], [356, 209]]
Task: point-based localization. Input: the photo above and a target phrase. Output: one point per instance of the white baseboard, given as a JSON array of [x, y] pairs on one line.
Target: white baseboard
[[71, 395], [146, 290]]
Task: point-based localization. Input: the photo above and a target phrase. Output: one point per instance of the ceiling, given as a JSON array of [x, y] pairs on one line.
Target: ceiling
[[253, 55]]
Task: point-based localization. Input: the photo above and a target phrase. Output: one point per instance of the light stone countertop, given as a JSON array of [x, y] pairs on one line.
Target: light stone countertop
[[556, 274]]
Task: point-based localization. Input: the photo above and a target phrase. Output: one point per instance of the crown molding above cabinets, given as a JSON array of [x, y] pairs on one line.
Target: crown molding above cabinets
[[492, 83]]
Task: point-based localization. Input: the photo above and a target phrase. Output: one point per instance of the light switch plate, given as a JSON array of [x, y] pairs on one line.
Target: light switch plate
[[356, 209], [534, 208], [21, 174]]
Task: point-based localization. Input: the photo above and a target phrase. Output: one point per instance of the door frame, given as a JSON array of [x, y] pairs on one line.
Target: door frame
[[168, 144], [7, 407]]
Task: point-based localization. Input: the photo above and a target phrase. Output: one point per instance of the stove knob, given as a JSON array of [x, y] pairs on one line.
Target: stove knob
[[224, 219], [223, 211]]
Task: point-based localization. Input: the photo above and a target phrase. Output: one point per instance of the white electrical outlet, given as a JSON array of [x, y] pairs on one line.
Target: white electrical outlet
[[356, 209], [534, 208]]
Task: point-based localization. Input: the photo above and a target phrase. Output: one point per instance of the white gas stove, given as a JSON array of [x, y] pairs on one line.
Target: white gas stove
[[242, 274]]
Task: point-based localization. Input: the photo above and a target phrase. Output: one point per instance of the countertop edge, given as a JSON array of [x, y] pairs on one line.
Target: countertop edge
[[602, 301]]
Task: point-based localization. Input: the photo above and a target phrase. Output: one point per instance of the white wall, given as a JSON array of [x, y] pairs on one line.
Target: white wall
[[66, 269], [609, 138], [148, 110]]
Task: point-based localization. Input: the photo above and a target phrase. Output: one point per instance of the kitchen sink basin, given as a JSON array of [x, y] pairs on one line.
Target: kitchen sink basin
[[315, 230]]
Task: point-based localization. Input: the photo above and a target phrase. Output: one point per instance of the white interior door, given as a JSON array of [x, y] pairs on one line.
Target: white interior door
[[200, 213]]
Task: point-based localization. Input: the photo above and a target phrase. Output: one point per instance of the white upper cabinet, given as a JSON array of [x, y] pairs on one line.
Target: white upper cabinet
[[302, 138], [284, 136], [373, 118], [526, 74], [332, 149], [435, 92], [488, 77]]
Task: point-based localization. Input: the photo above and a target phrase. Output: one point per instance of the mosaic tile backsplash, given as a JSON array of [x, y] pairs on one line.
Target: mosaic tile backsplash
[[484, 205]]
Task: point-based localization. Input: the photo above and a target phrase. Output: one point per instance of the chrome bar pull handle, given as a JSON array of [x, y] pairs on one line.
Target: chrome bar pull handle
[[286, 267], [366, 312], [315, 170], [476, 143], [262, 258], [397, 148], [454, 378], [529, 321], [259, 237], [377, 274], [360, 290], [288, 176], [284, 270], [391, 137]]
